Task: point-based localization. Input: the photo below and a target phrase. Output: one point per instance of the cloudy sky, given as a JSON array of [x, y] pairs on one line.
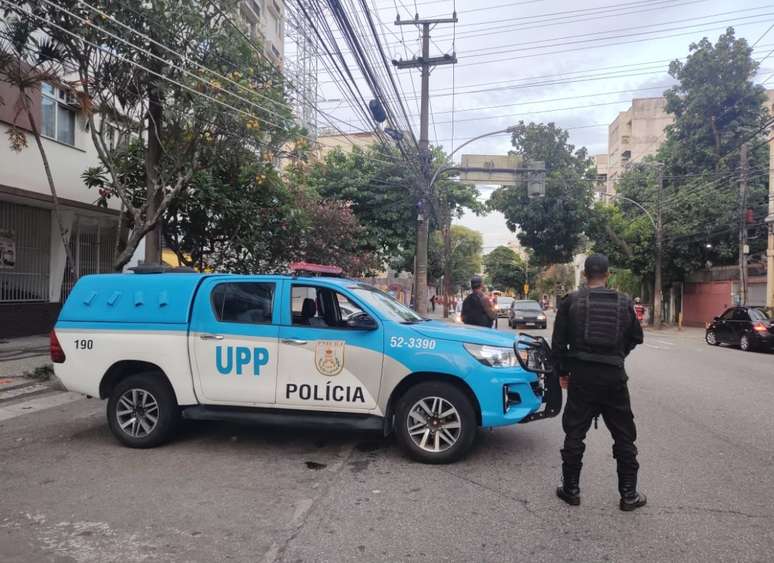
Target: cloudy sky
[[574, 63]]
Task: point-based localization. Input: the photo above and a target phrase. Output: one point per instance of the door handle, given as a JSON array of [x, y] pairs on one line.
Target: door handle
[[294, 341], [211, 337]]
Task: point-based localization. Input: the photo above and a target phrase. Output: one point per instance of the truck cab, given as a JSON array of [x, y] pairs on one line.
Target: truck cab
[[321, 351]]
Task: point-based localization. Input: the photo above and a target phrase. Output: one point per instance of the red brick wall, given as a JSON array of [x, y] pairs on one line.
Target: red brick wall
[[706, 300]]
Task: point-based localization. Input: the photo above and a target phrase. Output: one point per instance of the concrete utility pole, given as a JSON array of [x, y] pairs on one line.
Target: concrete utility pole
[[743, 164], [657, 297], [424, 63], [770, 223]]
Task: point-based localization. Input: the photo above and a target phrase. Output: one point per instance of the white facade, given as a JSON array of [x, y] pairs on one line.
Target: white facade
[[33, 280], [264, 21]]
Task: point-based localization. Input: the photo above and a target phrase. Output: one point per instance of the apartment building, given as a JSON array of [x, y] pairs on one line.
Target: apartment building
[[600, 184], [264, 22], [33, 277], [636, 133]]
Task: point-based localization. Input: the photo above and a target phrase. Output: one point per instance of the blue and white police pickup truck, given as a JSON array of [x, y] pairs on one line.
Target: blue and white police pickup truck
[[328, 352]]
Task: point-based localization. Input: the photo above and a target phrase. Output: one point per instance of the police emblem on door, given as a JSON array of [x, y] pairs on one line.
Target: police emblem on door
[[329, 357]]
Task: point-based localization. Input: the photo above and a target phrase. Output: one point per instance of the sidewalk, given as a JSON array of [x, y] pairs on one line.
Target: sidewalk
[[22, 355]]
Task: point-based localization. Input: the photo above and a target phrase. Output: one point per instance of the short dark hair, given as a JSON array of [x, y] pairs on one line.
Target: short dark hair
[[476, 282], [596, 265]]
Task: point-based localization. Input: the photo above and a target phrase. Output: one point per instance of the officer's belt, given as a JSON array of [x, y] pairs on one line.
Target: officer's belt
[[612, 360]]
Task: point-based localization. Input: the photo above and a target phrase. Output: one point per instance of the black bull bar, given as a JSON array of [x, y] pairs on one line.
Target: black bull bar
[[538, 360]]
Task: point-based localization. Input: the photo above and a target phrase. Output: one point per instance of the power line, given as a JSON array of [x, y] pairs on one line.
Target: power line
[[154, 73]]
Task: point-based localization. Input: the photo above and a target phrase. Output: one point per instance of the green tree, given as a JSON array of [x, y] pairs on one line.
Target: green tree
[[716, 107], [505, 269], [381, 188], [183, 88], [464, 258], [378, 187], [552, 226], [27, 63]]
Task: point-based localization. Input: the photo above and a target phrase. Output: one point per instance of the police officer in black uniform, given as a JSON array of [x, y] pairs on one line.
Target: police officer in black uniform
[[477, 309], [595, 329]]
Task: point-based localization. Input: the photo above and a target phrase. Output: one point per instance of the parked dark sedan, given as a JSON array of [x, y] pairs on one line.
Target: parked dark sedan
[[526, 313], [750, 328]]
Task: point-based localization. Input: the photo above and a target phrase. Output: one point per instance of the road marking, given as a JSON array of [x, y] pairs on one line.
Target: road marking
[[35, 405]]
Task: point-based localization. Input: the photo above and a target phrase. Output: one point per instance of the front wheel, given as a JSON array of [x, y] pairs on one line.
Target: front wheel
[[142, 411], [435, 423], [711, 338]]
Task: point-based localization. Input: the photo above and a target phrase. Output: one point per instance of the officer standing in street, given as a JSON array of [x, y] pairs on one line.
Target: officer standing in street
[[477, 308], [595, 329]]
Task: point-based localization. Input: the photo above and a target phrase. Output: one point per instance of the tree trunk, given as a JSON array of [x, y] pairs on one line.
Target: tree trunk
[[122, 235], [54, 197], [152, 166]]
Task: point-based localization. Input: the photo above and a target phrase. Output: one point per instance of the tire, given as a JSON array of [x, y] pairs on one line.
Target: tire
[[711, 338], [746, 343], [438, 397], [152, 394]]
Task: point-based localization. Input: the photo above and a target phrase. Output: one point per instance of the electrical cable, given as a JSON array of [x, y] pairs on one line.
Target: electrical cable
[[150, 71]]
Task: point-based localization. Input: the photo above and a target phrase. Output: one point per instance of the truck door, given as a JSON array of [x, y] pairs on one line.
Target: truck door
[[233, 341], [330, 351]]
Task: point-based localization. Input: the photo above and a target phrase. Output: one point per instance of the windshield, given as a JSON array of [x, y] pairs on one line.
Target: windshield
[[762, 314], [387, 306], [504, 301], [528, 306]]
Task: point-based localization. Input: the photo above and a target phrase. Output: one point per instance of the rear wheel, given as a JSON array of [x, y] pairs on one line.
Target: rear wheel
[[435, 423], [142, 411], [746, 343], [711, 338]]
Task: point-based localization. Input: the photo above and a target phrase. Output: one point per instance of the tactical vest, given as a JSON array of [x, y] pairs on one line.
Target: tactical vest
[[600, 318], [473, 312]]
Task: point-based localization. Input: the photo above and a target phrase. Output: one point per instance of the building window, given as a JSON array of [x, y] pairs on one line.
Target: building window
[[58, 115], [243, 302]]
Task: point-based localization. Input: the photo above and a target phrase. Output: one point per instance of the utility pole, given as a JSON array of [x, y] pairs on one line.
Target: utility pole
[[424, 63], [657, 297], [743, 224]]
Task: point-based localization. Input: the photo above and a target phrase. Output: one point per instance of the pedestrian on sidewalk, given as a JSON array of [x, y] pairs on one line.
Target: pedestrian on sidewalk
[[432, 302], [477, 308], [595, 330]]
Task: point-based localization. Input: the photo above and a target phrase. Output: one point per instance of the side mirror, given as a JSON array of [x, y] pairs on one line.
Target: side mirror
[[362, 322]]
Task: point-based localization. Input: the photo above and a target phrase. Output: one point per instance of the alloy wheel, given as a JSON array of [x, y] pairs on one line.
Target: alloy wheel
[[137, 413], [711, 338], [744, 344], [434, 424]]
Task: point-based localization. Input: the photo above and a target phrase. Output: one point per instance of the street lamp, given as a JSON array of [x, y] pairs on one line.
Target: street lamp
[[658, 232]]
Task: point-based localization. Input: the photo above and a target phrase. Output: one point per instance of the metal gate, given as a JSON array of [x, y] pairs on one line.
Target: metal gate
[[91, 245], [25, 245]]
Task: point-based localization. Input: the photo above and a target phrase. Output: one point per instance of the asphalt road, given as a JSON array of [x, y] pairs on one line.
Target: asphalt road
[[69, 492]]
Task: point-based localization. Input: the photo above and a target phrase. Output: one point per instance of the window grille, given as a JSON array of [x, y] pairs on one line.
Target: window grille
[[25, 242]]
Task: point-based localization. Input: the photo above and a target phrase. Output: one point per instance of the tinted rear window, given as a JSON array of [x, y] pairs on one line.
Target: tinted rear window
[[244, 302]]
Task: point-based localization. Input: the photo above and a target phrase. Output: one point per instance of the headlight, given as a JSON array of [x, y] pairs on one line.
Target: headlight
[[493, 356], [541, 317]]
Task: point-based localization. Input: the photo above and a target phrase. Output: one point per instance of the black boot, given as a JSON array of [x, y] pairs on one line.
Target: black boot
[[569, 492], [631, 499]]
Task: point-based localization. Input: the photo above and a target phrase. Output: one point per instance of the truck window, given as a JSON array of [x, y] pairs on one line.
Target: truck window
[[243, 302], [321, 307]]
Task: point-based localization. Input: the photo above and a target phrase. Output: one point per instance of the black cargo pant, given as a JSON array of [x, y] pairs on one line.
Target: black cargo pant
[[599, 390]]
